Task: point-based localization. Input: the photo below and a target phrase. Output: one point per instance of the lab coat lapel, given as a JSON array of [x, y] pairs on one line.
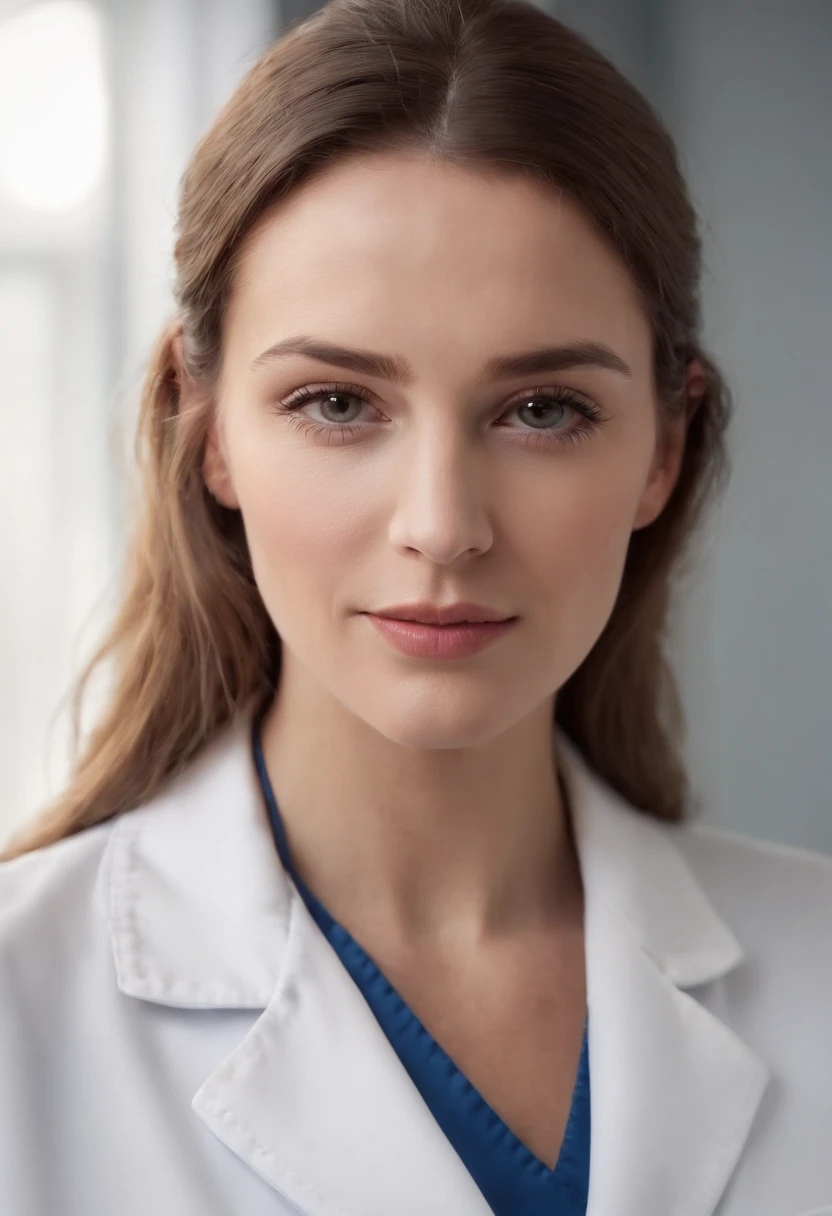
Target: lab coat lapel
[[674, 1091], [318, 1102], [315, 1099]]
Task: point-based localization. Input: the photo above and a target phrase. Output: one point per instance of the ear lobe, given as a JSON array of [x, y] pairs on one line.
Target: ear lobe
[[178, 355], [668, 462], [215, 471], [664, 474], [656, 493]]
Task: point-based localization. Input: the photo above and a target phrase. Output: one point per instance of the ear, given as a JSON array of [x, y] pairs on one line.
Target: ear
[[215, 470], [667, 460]]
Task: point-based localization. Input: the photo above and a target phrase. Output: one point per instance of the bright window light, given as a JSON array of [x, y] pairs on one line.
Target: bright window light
[[53, 105]]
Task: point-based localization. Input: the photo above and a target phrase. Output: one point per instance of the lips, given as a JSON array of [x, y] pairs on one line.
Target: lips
[[416, 620], [457, 641], [426, 613]]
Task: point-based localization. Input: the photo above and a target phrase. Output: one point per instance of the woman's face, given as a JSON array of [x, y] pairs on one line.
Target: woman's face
[[445, 483]]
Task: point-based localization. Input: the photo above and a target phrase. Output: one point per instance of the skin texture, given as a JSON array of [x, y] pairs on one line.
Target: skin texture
[[420, 798]]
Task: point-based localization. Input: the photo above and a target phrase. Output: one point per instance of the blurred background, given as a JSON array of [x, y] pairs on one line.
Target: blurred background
[[101, 103]]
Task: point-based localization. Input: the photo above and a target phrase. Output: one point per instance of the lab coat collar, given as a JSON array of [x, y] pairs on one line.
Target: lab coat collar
[[314, 1098]]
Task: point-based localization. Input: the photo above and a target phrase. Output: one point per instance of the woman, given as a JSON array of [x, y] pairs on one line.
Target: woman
[[376, 889]]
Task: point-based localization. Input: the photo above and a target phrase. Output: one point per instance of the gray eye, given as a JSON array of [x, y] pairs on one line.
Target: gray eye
[[326, 403], [543, 413]]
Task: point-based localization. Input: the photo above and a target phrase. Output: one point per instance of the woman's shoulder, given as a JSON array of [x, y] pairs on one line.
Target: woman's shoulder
[[48, 894], [723, 853], [776, 897]]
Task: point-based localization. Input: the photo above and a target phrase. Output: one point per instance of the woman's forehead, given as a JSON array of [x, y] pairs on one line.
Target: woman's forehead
[[364, 242]]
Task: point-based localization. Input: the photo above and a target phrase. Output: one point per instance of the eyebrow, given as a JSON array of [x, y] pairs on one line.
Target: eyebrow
[[398, 370]]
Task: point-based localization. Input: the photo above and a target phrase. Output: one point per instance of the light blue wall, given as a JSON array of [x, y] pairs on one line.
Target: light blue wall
[[746, 89]]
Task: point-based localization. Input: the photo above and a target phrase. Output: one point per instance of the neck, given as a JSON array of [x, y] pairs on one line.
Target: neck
[[429, 850]]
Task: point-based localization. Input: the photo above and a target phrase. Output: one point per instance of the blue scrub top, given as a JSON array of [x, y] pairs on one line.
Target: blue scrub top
[[513, 1180]]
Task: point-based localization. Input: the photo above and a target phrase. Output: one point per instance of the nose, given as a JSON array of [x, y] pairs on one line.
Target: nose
[[441, 502]]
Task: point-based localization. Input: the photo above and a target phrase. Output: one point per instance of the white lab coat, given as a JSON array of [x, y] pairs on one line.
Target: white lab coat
[[178, 1038]]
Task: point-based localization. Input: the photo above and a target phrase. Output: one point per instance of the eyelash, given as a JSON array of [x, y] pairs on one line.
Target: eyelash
[[591, 413]]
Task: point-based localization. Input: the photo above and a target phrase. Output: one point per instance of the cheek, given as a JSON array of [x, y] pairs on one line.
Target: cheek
[[577, 547], [303, 527]]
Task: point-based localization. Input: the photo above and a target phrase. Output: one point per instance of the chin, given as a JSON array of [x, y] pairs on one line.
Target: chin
[[425, 728]]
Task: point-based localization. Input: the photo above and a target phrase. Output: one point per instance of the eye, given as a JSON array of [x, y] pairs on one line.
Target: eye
[[543, 410], [328, 397], [331, 404]]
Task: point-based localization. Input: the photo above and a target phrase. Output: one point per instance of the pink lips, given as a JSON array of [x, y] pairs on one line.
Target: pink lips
[[440, 641]]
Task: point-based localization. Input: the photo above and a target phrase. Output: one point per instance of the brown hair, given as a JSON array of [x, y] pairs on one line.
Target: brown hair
[[488, 83]]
